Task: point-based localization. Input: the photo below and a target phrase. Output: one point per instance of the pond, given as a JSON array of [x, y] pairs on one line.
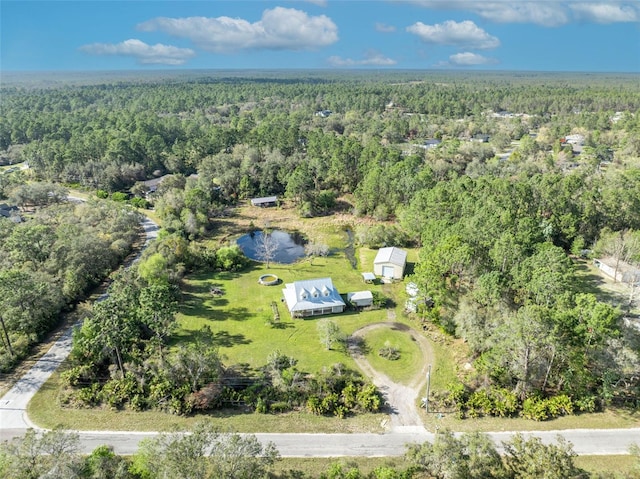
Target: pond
[[289, 247]]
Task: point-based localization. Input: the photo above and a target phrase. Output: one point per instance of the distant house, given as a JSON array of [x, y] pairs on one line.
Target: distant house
[[152, 184], [265, 201], [10, 212], [574, 139], [312, 297], [618, 270], [324, 113], [432, 143], [480, 138], [360, 298], [390, 263]]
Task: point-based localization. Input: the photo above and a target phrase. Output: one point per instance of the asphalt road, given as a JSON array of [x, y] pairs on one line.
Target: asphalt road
[[585, 441]]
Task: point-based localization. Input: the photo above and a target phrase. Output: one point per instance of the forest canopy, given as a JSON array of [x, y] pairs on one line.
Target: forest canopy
[[501, 180]]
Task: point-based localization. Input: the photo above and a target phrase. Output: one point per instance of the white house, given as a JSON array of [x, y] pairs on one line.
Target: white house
[[390, 263], [312, 297], [265, 201], [360, 298], [618, 270]]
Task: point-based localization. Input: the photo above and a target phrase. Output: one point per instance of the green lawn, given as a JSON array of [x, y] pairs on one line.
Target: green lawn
[[240, 319], [406, 367]]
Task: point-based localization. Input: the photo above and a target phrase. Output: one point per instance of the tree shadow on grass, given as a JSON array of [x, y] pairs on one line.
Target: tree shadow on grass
[[409, 268], [193, 304], [220, 338], [226, 340], [589, 282]]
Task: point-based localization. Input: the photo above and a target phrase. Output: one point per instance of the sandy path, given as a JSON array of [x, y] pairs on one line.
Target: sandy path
[[401, 399]]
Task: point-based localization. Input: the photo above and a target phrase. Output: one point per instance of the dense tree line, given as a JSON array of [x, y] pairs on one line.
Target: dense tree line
[[495, 263], [51, 259], [261, 136]]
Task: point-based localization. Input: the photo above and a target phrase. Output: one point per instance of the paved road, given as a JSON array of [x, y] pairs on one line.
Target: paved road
[[14, 421], [585, 442]]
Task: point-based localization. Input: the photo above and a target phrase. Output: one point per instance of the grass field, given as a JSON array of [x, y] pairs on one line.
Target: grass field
[[241, 318], [406, 367]]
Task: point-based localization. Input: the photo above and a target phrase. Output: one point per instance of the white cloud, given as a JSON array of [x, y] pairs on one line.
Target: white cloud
[[548, 13], [462, 34], [605, 12], [278, 29], [371, 58], [157, 54], [384, 28], [470, 59]]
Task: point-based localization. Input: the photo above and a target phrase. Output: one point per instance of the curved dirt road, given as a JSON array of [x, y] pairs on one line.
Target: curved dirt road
[[401, 399]]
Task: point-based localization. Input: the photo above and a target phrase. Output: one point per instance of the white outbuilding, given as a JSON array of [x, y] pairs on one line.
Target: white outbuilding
[[390, 263], [360, 299]]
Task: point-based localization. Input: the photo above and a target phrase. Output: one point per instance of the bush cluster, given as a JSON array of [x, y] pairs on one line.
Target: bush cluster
[[501, 402]]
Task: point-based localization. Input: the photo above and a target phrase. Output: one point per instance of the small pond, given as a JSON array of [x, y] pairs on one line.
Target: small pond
[[289, 246]]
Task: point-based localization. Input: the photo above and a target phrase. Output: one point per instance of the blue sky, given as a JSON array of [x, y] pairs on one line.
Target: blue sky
[[548, 35]]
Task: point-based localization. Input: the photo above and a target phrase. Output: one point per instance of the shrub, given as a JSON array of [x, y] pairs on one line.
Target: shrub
[[279, 406], [261, 406], [389, 352], [340, 411], [117, 392], [139, 203], [138, 402], [330, 403], [350, 395], [89, 396], [314, 405], [102, 194], [560, 405], [119, 196], [535, 408], [77, 375], [206, 397], [505, 402], [369, 398], [457, 396], [231, 258], [379, 299], [479, 404], [587, 404]]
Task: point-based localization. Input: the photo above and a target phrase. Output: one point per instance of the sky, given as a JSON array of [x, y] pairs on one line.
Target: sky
[[512, 35]]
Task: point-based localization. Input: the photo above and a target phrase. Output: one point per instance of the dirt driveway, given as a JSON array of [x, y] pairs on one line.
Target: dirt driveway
[[402, 400]]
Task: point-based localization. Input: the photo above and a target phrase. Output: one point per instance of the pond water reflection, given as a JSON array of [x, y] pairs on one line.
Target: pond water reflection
[[289, 246]]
